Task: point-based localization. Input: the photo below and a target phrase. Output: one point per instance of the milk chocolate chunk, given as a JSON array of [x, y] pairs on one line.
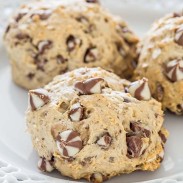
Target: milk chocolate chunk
[[76, 112], [89, 86], [177, 14], [30, 75], [43, 45], [159, 92], [92, 1], [22, 36], [162, 136], [121, 49], [91, 55], [69, 143], [61, 60], [45, 165], [40, 62], [137, 127], [38, 98], [179, 36], [97, 178], [20, 16], [140, 89], [72, 42], [134, 146], [104, 141], [82, 19], [174, 70]]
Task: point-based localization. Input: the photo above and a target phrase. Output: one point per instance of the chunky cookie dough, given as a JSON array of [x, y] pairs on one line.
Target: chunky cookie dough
[[45, 39], [161, 61], [86, 125]]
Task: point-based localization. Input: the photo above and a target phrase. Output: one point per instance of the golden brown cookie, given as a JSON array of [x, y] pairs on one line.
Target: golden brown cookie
[[161, 61], [48, 38], [85, 125]]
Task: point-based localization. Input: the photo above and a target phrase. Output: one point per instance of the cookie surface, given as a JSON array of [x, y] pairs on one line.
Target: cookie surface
[[161, 61], [45, 39], [86, 126]]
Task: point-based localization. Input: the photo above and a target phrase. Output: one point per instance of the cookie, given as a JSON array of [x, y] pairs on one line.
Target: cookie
[[87, 124], [45, 39], [161, 61]]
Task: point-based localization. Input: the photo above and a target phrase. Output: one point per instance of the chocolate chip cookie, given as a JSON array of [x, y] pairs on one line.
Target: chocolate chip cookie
[[161, 61], [46, 38], [89, 123]]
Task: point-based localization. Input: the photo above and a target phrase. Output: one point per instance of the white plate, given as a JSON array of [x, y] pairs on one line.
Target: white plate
[[15, 144]]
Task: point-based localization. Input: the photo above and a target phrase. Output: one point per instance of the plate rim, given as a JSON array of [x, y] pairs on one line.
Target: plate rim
[[8, 172]]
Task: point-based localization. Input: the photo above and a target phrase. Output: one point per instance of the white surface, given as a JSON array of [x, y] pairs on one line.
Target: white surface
[[15, 144]]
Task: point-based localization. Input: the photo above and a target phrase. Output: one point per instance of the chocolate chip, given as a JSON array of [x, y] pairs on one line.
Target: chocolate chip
[[137, 127], [89, 86], [82, 19], [134, 63], [156, 115], [121, 50], [180, 108], [87, 127], [106, 20], [175, 14], [76, 112], [38, 98], [19, 16], [92, 1], [60, 59], [104, 141], [161, 156], [52, 159], [174, 70], [45, 165], [70, 159], [97, 178], [86, 161], [44, 45], [179, 36], [91, 55], [22, 36], [62, 71], [30, 76], [162, 136], [69, 143], [43, 15], [7, 29], [134, 146], [72, 42], [140, 89], [40, 62], [159, 92], [126, 100], [91, 28], [111, 159]]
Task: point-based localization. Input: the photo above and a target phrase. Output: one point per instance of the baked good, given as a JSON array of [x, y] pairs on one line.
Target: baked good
[[86, 124], [48, 38], [161, 61]]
